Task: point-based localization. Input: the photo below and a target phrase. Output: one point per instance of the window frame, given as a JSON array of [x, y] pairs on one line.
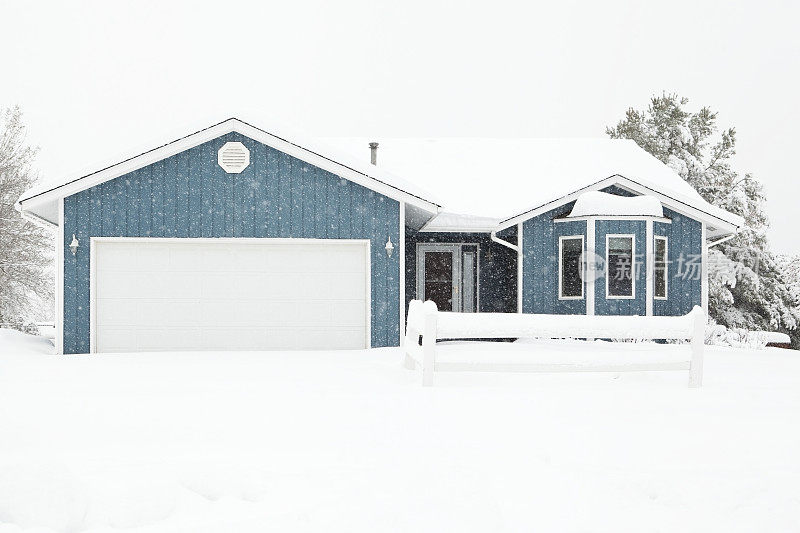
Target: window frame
[[632, 237], [561, 240], [666, 267]]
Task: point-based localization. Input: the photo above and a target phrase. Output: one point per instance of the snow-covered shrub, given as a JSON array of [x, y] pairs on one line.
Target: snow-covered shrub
[[20, 325], [719, 335]]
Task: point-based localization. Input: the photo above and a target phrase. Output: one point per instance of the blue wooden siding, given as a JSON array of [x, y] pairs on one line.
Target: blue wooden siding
[[540, 236], [189, 195], [638, 304], [684, 249], [540, 263], [497, 267]]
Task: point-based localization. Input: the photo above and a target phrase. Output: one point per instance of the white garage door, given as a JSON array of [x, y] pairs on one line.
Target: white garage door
[[226, 294]]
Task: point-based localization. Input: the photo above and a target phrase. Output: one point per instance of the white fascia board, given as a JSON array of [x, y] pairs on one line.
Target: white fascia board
[[210, 133], [457, 229], [36, 219], [681, 206], [664, 220], [631, 185]]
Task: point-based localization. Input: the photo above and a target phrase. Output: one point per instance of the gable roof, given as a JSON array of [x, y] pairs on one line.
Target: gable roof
[[512, 179], [495, 182], [42, 201]]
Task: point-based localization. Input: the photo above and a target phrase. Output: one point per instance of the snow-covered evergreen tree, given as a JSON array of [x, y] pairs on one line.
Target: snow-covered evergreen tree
[[747, 286], [26, 283], [790, 266]]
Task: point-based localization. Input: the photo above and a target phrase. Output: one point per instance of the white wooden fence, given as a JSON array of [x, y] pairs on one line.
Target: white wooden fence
[[426, 325]]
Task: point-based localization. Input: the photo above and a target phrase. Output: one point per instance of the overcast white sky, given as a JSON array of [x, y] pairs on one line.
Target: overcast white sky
[[96, 79]]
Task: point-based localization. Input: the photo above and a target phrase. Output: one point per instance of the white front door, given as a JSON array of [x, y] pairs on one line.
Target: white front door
[[229, 294]]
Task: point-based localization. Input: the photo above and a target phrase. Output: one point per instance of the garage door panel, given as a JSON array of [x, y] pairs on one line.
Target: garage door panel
[[116, 312], [155, 312], [282, 286], [232, 285], [317, 313], [346, 286], [234, 338], [251, 258], [342, 261], [280, 312], [169, 338], [117, 339], [217, 258], [154, 257], [283, 339], [116, 259], [167, 285], [115, 284], [223, 295], [283, 260], [349, 314], [238, 313], [321, 339], [187, 258], [314, 287]]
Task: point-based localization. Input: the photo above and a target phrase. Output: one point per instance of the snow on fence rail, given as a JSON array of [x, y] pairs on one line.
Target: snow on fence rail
[[426, 325]]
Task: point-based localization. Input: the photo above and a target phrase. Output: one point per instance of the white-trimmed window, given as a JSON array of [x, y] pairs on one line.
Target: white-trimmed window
[[660, 266], [570, 267], [620, 266]]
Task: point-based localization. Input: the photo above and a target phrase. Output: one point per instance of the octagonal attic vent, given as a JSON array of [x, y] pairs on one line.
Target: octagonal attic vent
[[233, 157]]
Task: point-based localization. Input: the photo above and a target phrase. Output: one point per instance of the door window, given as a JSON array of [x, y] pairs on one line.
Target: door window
[[439, 279]]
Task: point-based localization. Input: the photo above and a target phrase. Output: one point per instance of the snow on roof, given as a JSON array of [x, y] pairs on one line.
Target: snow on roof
[[455, 221], [594, 203], [491, 179], [32, 202], [501, 178]]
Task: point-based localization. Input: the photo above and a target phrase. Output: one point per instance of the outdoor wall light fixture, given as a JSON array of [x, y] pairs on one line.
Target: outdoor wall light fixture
[[389, 247], [74, 245]]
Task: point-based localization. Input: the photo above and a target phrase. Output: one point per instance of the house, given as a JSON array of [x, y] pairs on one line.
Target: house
[[240, 238]]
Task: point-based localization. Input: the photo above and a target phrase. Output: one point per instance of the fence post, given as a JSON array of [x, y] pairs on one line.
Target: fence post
[[411, 335], [698, 340], [428, 348]]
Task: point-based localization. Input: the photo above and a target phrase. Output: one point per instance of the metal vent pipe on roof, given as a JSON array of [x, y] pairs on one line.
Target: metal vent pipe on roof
[[373, 153]]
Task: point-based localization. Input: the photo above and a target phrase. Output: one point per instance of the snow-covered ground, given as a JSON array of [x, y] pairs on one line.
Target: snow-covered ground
[[349, 441]]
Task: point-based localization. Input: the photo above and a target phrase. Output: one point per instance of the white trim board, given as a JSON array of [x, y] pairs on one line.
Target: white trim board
[[704, 271], [591, 256], [664, 220], [224, 240], [401, 259], [227, 126], [520, 269], [649, 280], [59, 293]]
